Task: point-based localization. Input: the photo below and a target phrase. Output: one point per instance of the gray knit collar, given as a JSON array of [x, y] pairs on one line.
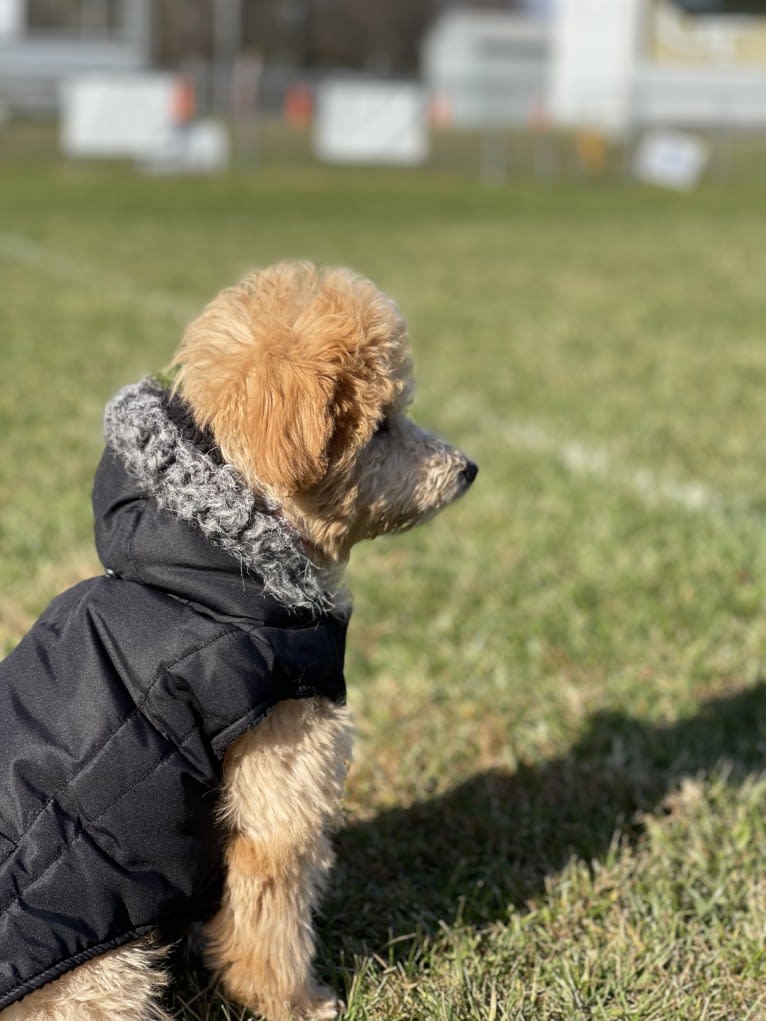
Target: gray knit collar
[[180, 466]]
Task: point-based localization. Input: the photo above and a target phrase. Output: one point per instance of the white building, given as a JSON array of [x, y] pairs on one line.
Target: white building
[[94, 35], [486, 67], [612, 65]]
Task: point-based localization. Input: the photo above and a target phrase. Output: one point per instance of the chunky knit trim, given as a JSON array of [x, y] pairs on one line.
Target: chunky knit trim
[[181, 468]]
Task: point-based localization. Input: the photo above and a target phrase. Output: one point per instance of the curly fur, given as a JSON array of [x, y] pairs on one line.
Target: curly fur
[[293, 369]]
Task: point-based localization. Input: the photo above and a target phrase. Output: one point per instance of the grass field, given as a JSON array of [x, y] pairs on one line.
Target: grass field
[[556, 809]]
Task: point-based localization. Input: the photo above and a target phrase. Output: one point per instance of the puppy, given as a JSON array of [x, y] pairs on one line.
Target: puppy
[[174, 737]]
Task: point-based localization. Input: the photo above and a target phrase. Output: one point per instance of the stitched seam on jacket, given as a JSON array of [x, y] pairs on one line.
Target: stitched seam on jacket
[[163, 669], [82, 830], [62, 967]]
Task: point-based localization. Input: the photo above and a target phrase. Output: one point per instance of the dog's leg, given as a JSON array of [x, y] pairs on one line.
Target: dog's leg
[[282, 791], [122, 985]]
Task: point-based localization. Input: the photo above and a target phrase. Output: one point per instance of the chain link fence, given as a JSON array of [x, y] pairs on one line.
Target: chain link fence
[[498, 132], [501, 133]]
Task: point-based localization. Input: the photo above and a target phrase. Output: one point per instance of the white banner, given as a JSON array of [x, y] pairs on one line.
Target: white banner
[[118, 115], [359, 121]]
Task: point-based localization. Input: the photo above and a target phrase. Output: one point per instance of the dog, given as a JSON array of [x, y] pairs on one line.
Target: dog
[[174, 736]]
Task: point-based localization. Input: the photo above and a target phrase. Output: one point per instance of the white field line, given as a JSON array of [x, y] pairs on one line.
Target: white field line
[[651, 487], [55, 264]]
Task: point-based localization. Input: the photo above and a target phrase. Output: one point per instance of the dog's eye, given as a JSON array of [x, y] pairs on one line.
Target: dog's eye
[[382, 427]]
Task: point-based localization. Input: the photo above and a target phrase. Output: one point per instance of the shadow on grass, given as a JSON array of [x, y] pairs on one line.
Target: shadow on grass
[[492, 841]]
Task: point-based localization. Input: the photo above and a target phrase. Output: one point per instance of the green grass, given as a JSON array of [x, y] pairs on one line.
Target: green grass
[[557, 805]]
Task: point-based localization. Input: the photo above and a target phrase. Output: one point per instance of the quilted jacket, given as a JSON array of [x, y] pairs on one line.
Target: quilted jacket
[[117, 707]]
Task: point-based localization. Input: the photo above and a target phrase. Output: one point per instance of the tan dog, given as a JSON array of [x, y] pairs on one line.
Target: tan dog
[[303, 378]]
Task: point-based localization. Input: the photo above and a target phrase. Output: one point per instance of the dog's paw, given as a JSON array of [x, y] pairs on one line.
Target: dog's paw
[[320, 1005]]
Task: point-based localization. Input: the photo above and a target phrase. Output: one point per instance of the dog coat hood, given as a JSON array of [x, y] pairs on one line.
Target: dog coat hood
[[117, 707]]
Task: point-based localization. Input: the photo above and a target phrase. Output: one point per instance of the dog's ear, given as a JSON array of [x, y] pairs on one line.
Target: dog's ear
[[272, 415], [286, 423]]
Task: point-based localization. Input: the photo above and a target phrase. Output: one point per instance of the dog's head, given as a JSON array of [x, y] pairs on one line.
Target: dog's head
[[304, 377]]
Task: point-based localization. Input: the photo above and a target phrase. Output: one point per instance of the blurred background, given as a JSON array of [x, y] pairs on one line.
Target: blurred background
[[557, 808], [545, 88]]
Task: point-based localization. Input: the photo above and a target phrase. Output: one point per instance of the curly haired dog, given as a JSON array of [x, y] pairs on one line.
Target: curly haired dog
[[173, 736]]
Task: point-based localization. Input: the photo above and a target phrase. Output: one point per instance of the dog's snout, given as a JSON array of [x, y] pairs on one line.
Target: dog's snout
[[470, 472]]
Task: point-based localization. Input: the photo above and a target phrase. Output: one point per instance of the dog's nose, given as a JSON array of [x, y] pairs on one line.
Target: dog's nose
[[470, 472]]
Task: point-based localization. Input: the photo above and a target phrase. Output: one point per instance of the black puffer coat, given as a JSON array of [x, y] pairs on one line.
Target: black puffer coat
[[115, 711]]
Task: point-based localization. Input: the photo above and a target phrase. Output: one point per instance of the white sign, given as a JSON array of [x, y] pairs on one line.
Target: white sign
[[671, 159], [359, 121], [594, 57], [117, 115]]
